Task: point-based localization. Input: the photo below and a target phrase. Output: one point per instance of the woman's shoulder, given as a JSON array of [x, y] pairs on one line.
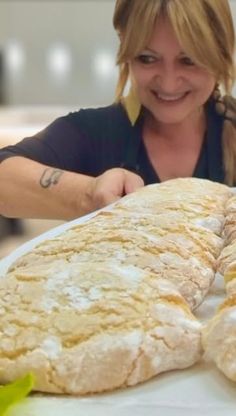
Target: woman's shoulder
[[95, 117], [101, 122]]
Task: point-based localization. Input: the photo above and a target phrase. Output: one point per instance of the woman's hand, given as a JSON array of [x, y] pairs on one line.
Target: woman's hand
[[111, 186]]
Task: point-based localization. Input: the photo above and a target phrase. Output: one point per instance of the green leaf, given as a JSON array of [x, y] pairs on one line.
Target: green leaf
[[14, 392]]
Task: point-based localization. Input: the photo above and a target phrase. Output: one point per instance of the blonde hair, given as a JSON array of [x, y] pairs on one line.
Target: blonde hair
[[206, 31]]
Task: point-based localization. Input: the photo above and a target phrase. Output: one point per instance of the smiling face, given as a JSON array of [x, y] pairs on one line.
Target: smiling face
[[167, 82]]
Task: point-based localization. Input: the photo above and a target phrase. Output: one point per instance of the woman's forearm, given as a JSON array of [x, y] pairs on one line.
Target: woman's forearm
[[29, 189]]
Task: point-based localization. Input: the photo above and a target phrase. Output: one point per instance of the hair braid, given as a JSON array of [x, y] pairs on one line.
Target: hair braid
[[226, 106]]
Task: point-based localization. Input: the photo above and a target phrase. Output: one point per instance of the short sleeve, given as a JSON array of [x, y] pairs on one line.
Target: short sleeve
[[89, 141], [61, 144]]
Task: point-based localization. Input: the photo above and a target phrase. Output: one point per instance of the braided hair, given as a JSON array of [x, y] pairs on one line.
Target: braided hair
[[226, 106]]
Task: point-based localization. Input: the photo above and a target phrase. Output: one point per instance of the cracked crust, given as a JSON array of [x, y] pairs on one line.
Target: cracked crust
[[200, 202], [227, 259], [219, 334], [177, 238], [189, 268], [73, 328], [229, 232], [100, 306], [219, 338]]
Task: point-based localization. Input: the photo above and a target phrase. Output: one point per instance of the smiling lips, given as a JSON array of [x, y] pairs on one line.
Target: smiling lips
[[170, 98]]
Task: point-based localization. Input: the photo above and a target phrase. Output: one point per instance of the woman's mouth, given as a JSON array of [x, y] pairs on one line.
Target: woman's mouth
[[170, 98]]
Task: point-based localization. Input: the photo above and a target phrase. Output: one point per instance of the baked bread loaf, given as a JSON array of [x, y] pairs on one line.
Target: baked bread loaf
[[229, 231], [100, 306], [181, 253], [230, 279], [219, 334], [219, 338], [172, 229], [228, 254], [89, 328], [197, 201]]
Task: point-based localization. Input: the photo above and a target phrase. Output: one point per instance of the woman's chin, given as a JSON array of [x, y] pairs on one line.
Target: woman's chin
[[169, 118]]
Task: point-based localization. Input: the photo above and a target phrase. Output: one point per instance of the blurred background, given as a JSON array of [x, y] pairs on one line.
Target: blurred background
[[55, 56]]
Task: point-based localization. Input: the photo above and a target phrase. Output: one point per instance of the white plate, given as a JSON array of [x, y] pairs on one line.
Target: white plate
[[200, 390]]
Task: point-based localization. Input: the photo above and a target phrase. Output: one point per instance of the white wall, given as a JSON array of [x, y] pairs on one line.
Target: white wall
[[84, 27]]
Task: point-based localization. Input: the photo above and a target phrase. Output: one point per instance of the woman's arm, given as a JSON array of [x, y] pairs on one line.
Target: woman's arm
[[29, 189]]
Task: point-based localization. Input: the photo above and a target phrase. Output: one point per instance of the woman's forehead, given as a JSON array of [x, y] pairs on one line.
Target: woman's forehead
[[163, 34]]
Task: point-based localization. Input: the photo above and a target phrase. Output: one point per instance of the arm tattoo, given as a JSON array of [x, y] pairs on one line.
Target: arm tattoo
[[50, 177]]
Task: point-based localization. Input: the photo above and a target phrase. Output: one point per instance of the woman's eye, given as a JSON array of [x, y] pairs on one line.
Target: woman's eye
[[146, 59], [186, 61]]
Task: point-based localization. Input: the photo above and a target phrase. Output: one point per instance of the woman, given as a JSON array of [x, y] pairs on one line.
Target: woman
[[178, 56]]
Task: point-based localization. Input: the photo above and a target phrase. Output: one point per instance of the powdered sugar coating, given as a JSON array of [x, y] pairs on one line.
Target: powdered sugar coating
[[100, 306]]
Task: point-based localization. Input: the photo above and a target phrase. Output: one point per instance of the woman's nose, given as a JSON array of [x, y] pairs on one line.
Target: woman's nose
[[169, 79]]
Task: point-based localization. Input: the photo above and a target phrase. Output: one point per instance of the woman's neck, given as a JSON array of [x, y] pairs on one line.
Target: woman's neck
[[176, 133]]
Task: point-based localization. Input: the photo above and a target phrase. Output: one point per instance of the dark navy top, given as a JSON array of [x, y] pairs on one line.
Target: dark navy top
[[90, 141]]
